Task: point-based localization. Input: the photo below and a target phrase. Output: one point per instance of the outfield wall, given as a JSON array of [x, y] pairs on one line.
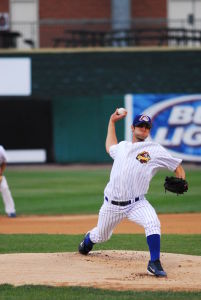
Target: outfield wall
[[80, 127], [84, 87]]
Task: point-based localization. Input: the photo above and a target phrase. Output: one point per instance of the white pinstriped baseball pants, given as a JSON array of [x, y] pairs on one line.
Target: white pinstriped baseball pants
[[110, 216]]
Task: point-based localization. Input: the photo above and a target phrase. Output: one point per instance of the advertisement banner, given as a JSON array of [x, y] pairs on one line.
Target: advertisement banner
[[176, 121]]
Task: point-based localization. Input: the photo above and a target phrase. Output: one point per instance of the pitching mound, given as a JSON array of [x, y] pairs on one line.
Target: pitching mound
[[118, 270]]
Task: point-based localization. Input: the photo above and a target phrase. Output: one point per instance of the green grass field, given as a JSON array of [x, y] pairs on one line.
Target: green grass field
[[8, 292], [43, 243], [81, 191]]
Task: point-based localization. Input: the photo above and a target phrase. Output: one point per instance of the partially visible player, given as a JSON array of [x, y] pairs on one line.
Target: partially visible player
[[4, 189], [135, 163]]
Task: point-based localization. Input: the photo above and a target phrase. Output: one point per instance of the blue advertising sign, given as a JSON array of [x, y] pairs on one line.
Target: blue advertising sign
[[176, 121]]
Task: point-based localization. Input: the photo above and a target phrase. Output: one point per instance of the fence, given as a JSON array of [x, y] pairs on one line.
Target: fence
[[91, 33]]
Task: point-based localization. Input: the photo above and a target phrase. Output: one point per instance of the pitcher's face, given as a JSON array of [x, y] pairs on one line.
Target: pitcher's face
[[141, 132]]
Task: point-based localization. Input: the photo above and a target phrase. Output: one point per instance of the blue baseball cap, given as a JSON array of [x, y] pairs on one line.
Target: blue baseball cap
[[142, 119]]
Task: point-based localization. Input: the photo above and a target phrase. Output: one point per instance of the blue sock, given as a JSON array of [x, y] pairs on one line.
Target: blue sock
[[87, 241], [153, 242]]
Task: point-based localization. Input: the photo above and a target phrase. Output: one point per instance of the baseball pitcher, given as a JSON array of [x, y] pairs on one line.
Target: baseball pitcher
[[4, 188], [135, 163]]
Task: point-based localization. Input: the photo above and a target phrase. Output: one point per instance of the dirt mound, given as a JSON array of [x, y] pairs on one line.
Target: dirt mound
[[118, 270]]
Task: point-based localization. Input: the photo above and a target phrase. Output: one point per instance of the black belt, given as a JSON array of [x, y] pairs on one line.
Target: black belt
[[124, 203]]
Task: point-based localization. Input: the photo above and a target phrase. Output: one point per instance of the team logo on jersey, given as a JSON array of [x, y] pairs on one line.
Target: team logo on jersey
[[143, 157]]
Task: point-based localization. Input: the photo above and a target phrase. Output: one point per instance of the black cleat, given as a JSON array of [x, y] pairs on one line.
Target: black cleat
[[155, 268], [86, 245]]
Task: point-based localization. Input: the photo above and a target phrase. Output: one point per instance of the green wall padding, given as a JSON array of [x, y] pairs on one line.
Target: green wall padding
[[80, 128]]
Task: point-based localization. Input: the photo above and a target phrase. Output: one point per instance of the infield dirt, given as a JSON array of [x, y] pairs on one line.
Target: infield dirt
[[78, 224], [117, 270]]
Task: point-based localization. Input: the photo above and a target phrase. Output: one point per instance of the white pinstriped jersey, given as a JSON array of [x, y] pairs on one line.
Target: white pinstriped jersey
[[134, 166], [3, 156]]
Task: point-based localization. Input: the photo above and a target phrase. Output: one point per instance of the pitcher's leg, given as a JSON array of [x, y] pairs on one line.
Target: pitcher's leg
[[144, 214], [7, 198], [109, 217]]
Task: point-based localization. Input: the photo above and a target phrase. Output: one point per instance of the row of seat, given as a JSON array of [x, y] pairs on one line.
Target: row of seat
[[132, 37]]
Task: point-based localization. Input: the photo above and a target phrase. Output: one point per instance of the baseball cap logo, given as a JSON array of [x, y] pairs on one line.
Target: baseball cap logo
[[144, 118], [140, 119]]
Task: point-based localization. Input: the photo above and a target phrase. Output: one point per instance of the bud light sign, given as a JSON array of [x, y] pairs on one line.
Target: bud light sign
[[176, 121]]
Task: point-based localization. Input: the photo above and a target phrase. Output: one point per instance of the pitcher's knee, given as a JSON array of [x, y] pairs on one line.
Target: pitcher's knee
[[99, 236], [153, 227]]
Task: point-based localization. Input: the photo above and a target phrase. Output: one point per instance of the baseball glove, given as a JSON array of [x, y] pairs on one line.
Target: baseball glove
[[175, 185]]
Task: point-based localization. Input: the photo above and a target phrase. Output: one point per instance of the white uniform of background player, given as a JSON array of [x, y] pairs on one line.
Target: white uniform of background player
[[135, 163], [4, 189]]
